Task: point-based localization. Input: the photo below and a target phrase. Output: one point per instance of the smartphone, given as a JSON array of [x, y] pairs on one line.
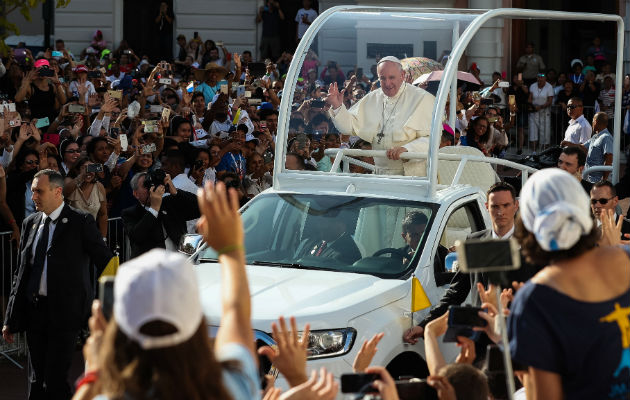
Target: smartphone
[[115, 94], [156, 108], [476, 96], [57, 54], [493, 119], [317, 136], [267, 157], [106, 295], [46, 72], [42, 122], [257, 69], [415, 389], [124, 144], [219, 43], [504, 84], [7, 107], [263, 124], [114, 132], [76, 108], [355, 383], [224, 89], [465, 316], [94, 168], [240, 90], [150, 126], [520, 76], [359, 73], [195, 35], [191, 87], [94, 74], [148, 148], [248, 94], [126, 51], [166, 113], [17, 121], [486, 255], [512, 99], [487, 102], [254, 102], [318, 103], [165, 81]]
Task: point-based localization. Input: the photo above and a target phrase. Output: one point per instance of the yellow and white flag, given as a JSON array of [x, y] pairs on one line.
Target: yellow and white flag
[[419, 299]]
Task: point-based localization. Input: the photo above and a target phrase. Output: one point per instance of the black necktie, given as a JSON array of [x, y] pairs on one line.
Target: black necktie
[[38, 261]]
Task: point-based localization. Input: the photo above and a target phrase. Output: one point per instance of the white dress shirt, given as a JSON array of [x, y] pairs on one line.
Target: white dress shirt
[[579, 131], [506, 236], [43, 285]]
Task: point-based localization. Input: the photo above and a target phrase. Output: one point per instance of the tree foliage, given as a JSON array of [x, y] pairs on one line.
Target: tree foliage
[[23, 7]]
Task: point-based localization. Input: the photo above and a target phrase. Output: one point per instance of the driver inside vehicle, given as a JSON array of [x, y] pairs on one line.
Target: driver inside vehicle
[[413, 226], [332, 239]]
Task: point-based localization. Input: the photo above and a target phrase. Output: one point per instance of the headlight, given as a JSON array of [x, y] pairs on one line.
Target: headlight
[[330, 343]]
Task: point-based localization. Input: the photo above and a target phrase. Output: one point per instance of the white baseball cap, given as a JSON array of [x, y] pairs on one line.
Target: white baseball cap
[[158, 285]]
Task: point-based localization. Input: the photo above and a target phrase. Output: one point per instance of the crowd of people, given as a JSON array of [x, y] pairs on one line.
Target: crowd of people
[[114, 134]]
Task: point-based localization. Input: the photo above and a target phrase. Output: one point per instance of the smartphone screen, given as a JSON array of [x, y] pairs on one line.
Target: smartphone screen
[[520, 76], [488, 255], [106, 295], [124, 144], [512, 99], [465, 316]]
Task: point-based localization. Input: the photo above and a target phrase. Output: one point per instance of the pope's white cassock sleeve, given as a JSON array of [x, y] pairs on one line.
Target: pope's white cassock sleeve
[[404, 118]]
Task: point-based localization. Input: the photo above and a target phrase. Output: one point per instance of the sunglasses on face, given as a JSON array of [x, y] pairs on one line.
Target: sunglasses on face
[[601, 201], [73, 151], [31, 162], [571, 107]]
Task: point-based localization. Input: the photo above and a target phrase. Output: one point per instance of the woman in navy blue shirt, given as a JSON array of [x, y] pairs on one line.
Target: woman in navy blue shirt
[[570, 323]]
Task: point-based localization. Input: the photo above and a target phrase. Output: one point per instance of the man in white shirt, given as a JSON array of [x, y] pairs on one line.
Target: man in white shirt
[[541, 97], [579, 130], [396, 118]]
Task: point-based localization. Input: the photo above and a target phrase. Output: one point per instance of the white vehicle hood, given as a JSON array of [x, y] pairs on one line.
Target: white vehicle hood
[[324, 299]]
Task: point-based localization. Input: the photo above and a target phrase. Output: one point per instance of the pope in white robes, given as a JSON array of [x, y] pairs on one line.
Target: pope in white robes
[[396, 117]]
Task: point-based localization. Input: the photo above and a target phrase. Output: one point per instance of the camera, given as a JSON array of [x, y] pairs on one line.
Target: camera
[[148, 148], [461, 320], [318, 103], [415, 389], [358, 383], [45, 71], [94, 168], [94, 74], [114, 132], [154, 178]]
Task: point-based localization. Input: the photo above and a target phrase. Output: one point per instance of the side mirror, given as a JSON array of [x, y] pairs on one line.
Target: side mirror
[[189, 243], [450, 262]]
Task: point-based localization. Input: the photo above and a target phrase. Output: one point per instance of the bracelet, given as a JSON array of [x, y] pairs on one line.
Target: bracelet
[[230, 248], [88, 377]]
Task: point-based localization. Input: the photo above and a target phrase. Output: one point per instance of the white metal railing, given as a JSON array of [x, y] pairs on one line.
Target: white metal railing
[[598, 168], [347, 154]]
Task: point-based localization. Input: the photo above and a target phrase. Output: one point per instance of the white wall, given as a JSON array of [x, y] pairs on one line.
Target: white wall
[[76, 23], [232, 21]]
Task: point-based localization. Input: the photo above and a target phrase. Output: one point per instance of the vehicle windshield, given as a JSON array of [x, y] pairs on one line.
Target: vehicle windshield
[[339, 233]]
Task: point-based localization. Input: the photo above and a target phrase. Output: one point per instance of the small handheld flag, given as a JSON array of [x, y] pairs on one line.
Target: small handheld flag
[[419, 299], [112, 266]]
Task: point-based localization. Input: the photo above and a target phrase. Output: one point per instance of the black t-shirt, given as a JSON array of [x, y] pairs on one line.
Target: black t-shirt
[[521, 96], [587, 344], [270, 22], [589, 95]]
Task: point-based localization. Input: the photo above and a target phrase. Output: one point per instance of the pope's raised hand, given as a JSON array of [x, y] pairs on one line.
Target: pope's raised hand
[[335, 97]]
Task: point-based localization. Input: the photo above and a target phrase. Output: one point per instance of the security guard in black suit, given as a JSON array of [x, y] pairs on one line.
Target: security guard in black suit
[[52, 290]]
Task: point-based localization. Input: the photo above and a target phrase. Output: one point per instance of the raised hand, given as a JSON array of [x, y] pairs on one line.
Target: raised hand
[[335, 97], [467, 354], [290, 355], [366, 354], [220, 222]]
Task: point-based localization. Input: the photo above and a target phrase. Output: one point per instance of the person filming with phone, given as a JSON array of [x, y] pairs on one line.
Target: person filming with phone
[[157, 220]]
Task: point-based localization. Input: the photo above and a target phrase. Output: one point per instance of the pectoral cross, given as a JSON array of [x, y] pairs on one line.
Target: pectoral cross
[[380, 136]]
